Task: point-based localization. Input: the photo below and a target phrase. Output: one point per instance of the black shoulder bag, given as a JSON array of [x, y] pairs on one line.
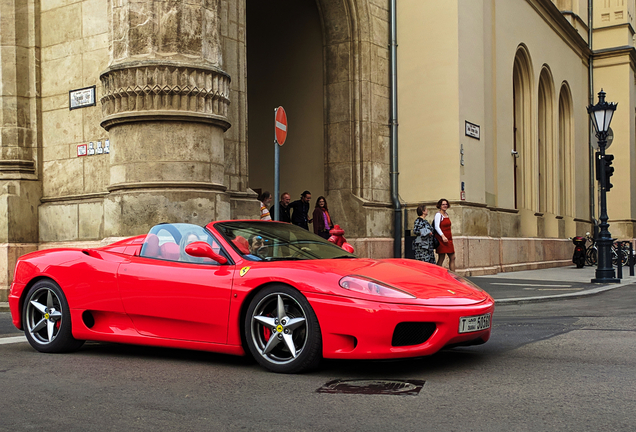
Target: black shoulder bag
[[435, 240]]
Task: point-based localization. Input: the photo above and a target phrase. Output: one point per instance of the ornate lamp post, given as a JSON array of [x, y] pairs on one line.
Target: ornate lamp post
[[601, 115]]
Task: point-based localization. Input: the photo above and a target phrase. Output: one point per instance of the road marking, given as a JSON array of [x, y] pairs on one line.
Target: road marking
[[558, 289], [530, 285], [11, 340]]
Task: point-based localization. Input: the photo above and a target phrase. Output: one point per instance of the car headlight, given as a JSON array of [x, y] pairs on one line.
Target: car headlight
[[370, 286], [463, 280]]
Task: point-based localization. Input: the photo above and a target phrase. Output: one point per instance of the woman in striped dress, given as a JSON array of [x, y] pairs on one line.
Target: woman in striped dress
[[423, 244]]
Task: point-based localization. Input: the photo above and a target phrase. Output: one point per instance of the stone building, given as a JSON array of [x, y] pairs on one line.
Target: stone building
[[119, 114]]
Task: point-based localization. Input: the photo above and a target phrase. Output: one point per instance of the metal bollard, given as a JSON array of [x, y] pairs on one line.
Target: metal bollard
[[631, 259], [619, 264]]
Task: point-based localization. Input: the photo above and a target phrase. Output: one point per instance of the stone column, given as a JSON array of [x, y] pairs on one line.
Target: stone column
[[20, 186], [165, 105]]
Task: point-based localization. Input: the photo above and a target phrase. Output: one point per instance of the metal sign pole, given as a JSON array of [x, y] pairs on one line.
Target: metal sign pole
[[276, 172]]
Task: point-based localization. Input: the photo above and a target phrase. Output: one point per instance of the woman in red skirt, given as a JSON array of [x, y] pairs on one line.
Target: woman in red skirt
[[442, 224]]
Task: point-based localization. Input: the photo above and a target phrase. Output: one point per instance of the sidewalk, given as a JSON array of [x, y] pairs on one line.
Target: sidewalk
[[532, 286]]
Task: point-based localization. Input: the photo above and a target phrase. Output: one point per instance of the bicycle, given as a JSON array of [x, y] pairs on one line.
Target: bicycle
[[591, 251], [618, 249], [622, 250]]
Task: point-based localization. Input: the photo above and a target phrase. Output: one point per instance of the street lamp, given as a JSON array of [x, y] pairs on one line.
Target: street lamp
[[601, 115]]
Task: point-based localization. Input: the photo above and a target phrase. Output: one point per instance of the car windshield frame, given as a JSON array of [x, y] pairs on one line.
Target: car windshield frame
[[280, 241]]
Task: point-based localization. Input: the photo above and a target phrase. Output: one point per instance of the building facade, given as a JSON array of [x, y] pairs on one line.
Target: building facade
[[117, 115]]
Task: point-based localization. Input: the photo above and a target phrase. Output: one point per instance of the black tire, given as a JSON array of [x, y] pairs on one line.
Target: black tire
[[270, 331], [624, 256], [591, 256], [580, 262], [614, 251], [47, 319]]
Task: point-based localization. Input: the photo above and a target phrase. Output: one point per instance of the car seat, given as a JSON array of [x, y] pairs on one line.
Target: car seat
[[151, 246], [170, 251], [242, 245]]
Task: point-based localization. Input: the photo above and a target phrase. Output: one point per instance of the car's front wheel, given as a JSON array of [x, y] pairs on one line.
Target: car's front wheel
[[282, 331], [47, 319]]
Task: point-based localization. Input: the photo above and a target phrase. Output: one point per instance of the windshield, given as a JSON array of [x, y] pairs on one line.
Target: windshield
[[273, 241]]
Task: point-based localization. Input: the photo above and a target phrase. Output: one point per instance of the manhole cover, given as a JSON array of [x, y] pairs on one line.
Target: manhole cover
[[366, 386]]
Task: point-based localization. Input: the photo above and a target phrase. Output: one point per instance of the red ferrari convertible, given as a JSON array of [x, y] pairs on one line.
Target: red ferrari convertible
[[276, 291]]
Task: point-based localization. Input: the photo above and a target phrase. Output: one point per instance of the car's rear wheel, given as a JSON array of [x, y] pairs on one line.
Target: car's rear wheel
[[47, 319], [282, 331]]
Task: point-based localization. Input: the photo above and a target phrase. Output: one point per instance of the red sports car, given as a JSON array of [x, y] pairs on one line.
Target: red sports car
[[276, 291]]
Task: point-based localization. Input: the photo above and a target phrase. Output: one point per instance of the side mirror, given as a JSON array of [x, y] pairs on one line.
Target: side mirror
[[201, 249]]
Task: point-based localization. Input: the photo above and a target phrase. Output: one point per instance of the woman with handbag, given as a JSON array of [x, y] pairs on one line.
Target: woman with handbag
[[443, 233], [423, 244]]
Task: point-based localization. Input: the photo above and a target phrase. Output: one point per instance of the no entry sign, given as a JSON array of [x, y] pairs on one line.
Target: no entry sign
[[280, 125]]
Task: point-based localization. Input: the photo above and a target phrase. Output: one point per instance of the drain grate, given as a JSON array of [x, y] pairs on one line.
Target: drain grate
[[367, 386]]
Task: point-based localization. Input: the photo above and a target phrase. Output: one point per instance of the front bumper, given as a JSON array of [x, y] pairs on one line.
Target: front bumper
[[14, 304], [361, 329]]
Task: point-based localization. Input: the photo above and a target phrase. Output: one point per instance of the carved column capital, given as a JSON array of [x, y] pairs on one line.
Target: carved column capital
[[152, 91]]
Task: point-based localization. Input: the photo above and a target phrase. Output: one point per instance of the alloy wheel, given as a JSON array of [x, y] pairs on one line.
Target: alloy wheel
[[279, 328], [44, 315]]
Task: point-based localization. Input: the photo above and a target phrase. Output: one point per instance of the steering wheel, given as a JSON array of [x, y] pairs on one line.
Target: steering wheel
[[260, 252]]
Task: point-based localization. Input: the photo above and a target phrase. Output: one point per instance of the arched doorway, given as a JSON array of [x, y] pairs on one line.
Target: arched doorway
[[285, 68]]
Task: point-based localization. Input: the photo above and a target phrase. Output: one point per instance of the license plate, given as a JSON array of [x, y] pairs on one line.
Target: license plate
[[474, 323]]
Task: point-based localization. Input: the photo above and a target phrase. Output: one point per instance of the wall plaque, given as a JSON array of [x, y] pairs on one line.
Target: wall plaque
[[472, 130], [81, 150], [81, 98]]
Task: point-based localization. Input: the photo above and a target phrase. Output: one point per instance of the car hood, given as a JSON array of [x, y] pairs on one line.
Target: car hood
[[431, 284]]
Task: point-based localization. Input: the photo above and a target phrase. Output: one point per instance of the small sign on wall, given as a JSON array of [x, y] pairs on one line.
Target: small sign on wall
[[93, 148], [82, 150], [81, 98], [472, 130]]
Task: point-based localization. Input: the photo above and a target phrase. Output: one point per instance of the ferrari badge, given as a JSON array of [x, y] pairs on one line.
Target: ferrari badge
[[244, 270]]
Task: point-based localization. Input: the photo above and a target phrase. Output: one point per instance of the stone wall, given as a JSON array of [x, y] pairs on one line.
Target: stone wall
[[75, 49], [20, 134]]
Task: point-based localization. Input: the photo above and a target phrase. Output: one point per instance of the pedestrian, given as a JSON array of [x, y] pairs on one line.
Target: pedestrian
[[321, 218], [265, 199], [423, 244], [443, 233], [300, 215], [283, 208]]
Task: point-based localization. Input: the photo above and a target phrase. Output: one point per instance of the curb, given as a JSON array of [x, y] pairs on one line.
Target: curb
[[586, 293], [4, 307]]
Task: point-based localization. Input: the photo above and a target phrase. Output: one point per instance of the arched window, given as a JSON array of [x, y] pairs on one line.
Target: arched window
[[522, 138], [545, 142], [566, 206]]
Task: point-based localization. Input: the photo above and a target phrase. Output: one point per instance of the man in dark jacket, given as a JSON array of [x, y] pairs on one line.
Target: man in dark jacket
[[283, 208], [300, 216]]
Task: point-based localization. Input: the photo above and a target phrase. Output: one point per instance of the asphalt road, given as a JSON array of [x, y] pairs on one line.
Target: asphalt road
[[500, 288], [562, 365]]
